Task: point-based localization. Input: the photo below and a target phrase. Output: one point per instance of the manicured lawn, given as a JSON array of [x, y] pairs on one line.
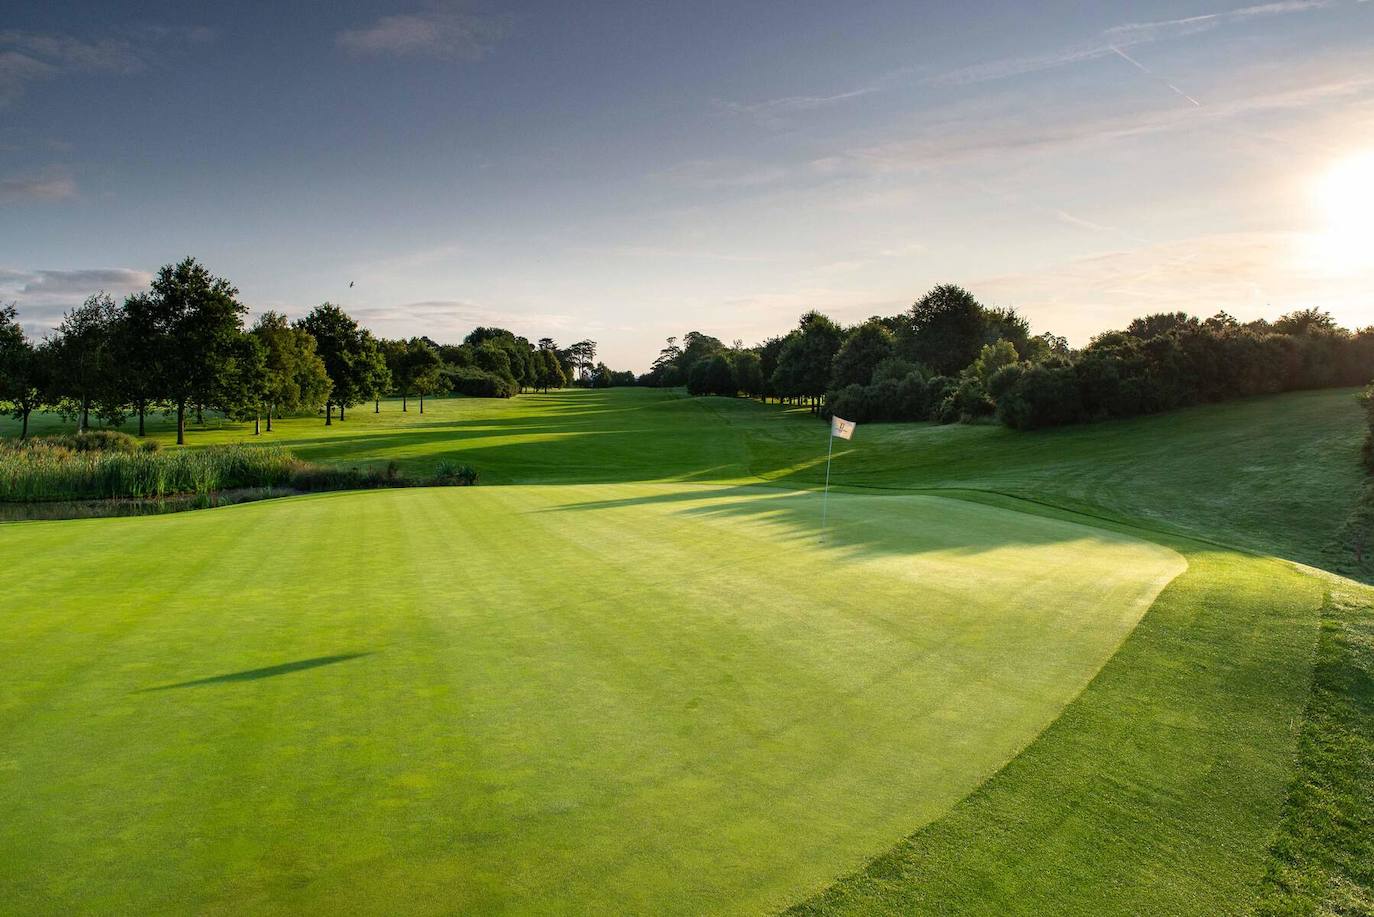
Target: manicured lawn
[[622, 675], [1276, 474], [670, 697]]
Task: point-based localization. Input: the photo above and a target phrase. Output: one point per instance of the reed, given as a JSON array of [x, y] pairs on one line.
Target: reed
[[42, 470]]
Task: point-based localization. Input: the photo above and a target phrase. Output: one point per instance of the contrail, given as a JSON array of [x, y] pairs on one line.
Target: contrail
[[1146, 70]]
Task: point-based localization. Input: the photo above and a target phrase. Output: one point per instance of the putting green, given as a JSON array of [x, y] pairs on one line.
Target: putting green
[[631, 697]]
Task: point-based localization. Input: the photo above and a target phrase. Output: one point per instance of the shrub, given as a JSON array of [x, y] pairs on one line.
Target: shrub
[[452, 474], [479, 383]]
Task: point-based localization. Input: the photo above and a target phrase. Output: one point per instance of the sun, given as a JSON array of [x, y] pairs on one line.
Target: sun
[[1344, 195]]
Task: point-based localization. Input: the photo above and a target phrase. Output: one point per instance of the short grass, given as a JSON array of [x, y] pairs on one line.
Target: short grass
[[1274, 474], [527, 697], [539, 640]]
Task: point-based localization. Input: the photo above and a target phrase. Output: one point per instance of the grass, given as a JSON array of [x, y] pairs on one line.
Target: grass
[[505, 714], [1272, 474], [633, 679]]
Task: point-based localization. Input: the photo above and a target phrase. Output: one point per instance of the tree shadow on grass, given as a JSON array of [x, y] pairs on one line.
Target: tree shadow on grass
[[270, 671]]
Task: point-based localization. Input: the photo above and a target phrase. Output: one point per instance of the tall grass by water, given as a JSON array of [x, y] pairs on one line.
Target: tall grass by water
[[120, 467]]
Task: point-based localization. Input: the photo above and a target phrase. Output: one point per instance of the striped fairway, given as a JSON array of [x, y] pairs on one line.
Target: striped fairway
[[649, 697]]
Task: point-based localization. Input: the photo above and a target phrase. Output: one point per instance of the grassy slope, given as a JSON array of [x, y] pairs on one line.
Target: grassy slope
[[1119, 800], [1272, 474], [501, 741]]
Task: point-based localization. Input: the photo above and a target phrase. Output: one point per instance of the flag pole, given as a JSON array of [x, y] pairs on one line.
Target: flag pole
[[825, 498]]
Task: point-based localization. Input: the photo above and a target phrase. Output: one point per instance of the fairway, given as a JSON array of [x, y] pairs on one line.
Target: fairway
[[530, 698]]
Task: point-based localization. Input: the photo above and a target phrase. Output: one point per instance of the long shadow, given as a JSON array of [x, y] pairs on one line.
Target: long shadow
[[270, 671]]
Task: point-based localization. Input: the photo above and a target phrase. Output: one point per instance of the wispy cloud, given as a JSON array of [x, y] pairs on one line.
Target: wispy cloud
[[1148, 72], [445, 30], [26, 57], [775, 113], [51, 187], [1112, 40], [43, 296]]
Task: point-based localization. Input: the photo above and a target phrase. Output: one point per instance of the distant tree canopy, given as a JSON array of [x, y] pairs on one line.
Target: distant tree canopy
[[951, 358], [181, 346]]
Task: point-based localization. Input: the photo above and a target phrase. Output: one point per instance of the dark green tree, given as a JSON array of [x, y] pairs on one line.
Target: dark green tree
[[296, 377], [352, 359], [945, 330], [865, 347], [804, 364], [23, 365], [197, 321], [82, 355], [138, 347]]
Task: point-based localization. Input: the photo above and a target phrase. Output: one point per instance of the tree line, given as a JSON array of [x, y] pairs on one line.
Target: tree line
[[951, 358], [182, 347]]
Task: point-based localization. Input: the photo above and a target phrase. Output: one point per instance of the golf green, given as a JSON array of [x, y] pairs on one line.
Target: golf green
[[672, 697]]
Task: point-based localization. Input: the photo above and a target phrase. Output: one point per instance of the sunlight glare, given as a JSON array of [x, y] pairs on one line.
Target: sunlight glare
[[1345, 195]]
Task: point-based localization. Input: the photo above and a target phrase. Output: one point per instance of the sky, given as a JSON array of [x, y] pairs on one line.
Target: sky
[[626, 171]]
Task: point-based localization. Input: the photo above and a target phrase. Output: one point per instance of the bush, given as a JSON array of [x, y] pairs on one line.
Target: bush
[[1036, 396], [479, 383], [452, 474]]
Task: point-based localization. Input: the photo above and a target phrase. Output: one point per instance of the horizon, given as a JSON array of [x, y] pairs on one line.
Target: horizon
[[629, 174]]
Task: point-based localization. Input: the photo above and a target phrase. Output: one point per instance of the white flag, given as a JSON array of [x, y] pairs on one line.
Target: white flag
[[841, 428]]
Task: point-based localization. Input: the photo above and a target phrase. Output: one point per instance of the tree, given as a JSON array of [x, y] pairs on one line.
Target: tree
[[243, 384], [82, 366], [296, 376], [945, 329], [664, 372], [806, 357], [370, 365], [551, 373], [197, 321], [137, 347], [748, 372], [582, 357], [23, 367], [866, 347], [1305, 321], [397, 356], [352, 359], [425, 369]]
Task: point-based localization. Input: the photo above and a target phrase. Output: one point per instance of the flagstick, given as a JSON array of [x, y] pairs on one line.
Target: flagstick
[[825, 499]]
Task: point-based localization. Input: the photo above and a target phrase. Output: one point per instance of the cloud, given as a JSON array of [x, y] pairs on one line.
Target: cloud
[[39, 188], [42, 297], [446, 30], [27, 57], [1111, 40]]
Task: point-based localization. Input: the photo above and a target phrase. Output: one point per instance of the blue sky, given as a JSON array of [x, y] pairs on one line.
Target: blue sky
[[627, 171]]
